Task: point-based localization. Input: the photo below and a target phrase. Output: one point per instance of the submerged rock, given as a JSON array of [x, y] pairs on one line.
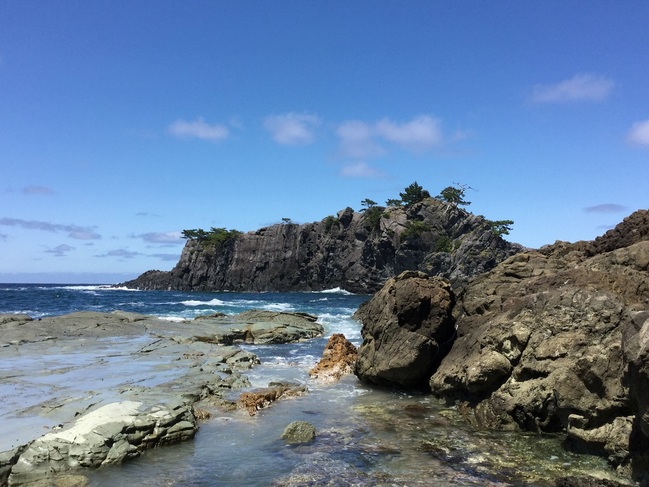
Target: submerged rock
[[253, 401], [338, 359], [407, 329], [299, 432]]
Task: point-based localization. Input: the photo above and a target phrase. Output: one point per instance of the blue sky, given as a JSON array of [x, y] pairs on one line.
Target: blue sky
[[123, 123]]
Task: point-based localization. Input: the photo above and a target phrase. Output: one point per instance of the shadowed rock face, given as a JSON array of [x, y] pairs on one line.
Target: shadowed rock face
[[406, 327], [352, 251]]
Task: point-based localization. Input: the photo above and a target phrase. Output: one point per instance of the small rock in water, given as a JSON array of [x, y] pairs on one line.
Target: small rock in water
[[299, 432]]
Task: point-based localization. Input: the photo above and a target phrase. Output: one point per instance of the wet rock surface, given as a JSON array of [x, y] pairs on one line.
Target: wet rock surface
[[91, 389], [338, 359]]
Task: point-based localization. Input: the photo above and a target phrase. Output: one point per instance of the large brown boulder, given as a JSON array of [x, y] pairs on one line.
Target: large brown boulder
[[555, 340], [407, 328]]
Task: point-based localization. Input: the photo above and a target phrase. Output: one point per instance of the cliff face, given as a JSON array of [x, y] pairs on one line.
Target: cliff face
[[354, 251]]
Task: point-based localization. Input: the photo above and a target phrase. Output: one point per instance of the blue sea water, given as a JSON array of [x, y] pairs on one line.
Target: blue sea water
[[366, 436]]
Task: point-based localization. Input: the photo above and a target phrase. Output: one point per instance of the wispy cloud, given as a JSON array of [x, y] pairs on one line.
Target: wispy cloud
[[358, 140], [37, 191], [165, 238], [120, 253], [60, 250], [166, 257], [73, 231], [360, 170], [199, 129], [639, 133], [292, 128], [606, 208], [581, 87]]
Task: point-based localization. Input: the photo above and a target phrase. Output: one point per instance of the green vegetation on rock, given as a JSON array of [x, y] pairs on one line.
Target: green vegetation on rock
[[215, 236]]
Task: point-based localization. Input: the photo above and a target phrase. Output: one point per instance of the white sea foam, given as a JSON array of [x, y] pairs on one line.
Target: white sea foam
[[211, 302], [337, 290], [175, 319], [278, 307]]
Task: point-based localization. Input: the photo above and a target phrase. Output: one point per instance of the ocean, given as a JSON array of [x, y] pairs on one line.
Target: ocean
[[365, 436]]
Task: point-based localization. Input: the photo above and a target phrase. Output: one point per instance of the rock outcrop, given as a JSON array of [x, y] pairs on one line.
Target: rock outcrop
[[354, 251], [338, 359], [407, 328], [92, 389], [553, 340], [108, 435]]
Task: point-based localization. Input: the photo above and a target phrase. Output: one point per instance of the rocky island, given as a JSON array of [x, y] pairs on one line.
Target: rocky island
[[355, 251]]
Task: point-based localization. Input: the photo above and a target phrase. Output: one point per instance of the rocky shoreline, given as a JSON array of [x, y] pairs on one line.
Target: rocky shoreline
[[93, 389], [553, 340]]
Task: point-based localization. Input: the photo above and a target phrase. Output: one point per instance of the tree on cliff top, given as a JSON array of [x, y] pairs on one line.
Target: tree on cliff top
[[454, 195], [414, 194]]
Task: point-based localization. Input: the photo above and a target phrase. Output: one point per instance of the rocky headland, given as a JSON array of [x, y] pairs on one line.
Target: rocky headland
[[355, 251], [549, 340]]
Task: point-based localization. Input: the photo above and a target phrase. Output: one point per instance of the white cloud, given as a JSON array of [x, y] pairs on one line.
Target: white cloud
[[360, 170], [292, 128], [357, 140], [581, 87], [420, 134], [199, 129], [362, 140], [639, 133]]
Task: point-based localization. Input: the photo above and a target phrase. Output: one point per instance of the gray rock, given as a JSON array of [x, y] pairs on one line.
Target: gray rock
[[262, 327], [299, 432], [407, 329], [104, 436]]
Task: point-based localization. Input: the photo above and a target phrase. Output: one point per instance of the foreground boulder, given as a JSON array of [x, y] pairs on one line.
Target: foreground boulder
[[407, 329], [105, 436]]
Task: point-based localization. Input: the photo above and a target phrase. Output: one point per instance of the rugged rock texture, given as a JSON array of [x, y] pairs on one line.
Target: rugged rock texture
[[407, 328], [550, 340], [253, 401], [555, 340], [299, 432], [105, 436], [261, 327], [90, 389], [354, 251], [338, 359]]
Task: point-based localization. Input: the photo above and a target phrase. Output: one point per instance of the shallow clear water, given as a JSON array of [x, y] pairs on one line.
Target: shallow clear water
[[364, 436]]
